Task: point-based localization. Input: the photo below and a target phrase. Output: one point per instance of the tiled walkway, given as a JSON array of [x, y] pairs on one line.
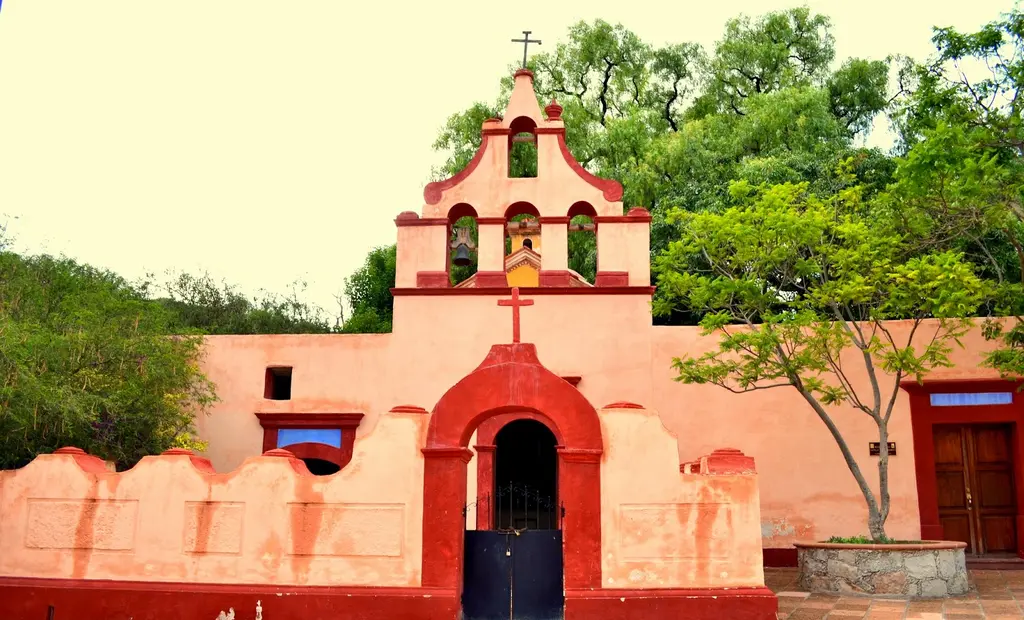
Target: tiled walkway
[[995, 595]]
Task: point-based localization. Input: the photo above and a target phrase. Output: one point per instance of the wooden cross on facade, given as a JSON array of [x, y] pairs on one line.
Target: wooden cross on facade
[[515, 304], [526, 41]]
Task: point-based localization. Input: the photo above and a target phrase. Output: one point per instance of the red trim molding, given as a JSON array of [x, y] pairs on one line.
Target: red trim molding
[[483, 221], [554, 219], [554, 277], [486, 279], [433, 192], [433, 279], [407, 409], [611, 190], [612, 278], [540, 290], [622, 404], [25, 599], [87, 462], [347, 423], [408, 218], [923, 416], [692, 604]]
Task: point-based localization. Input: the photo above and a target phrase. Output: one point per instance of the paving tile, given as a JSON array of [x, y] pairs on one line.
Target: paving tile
[[808, 614]]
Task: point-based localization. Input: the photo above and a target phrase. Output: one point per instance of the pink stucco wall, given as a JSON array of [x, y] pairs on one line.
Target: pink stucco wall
[[267, 522], [806, 489], [661, 528]]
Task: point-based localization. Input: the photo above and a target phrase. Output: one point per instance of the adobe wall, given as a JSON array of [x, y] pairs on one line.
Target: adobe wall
[[270, 522], [807, 490], [437, 341], [666, 528]]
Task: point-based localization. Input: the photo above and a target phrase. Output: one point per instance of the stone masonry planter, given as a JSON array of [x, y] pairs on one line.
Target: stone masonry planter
[[928, 569]]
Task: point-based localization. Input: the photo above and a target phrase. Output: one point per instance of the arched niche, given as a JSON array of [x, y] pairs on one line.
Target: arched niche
[[461, 215], [582, 239], [512, 381], [522, 148], [522, 220]]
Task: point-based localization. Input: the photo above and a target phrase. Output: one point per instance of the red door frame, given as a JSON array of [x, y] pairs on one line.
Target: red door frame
[[485, 449], [923, 416], [511, 380]]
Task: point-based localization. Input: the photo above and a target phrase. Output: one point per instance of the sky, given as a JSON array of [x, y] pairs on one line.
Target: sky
[[266, 142]]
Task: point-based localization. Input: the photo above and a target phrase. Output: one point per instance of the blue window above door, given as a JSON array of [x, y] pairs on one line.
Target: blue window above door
[[291, 436], [970, 399]]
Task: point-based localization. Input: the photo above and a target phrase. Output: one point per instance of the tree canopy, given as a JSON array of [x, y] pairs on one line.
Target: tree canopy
[[86, 360], [799, 281], [677, 124], [91, 360]]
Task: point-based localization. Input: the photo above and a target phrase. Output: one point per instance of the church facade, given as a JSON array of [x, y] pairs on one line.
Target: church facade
[[518, 438]]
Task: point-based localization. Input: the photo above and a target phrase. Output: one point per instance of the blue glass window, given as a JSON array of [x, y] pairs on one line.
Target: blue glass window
[[964, 399], [290, 436]]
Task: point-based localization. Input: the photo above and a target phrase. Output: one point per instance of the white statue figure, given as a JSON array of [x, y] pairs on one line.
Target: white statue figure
[[259, 611], [227, 616]]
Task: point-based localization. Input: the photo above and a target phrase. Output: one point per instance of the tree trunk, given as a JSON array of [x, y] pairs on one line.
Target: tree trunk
[[877, 518]]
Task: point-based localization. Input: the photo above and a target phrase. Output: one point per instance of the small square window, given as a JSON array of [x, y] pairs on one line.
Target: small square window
[[278, 383]]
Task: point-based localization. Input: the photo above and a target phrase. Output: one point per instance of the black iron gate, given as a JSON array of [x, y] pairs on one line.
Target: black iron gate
[[514, 573]]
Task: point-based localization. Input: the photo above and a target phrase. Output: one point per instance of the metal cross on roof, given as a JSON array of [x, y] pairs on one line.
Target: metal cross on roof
[[526, 41]]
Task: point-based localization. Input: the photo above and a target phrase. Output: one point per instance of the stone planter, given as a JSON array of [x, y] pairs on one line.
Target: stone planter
[[928, 569]]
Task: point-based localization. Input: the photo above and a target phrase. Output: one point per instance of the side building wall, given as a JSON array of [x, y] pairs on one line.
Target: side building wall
[[807, 490], [171, 518]]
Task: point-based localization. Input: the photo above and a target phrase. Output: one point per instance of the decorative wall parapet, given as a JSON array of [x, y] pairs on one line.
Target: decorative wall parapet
[[724, 461], [172, 518]]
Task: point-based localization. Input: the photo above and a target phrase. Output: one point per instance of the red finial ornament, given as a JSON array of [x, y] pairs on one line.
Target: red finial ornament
[[554, 111]]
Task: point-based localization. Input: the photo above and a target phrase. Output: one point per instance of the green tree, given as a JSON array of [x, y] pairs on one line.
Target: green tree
[[369, 293], [676, 124], [798, 291], [961, 182], [86, 360], [199, 303]]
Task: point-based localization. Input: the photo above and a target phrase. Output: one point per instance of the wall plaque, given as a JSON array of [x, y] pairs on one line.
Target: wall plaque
[[873, 448]]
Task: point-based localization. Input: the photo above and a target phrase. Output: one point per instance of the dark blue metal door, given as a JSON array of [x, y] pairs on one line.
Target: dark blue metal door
[[510, 576], [537, 592], [487, 576]]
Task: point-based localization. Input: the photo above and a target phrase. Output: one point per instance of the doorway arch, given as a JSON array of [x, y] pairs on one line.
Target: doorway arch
[[511, 380], [525, 484]]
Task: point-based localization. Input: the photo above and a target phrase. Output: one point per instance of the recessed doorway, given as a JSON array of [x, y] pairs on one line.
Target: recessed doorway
[[514, 568], [525, 477], [975, 486]]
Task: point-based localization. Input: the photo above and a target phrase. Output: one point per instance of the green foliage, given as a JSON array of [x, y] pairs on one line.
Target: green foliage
[[198, 303], [369, 293], [798, 291], [86, 360], [778, 50], [676, 124], [961, 182], [864, 540]]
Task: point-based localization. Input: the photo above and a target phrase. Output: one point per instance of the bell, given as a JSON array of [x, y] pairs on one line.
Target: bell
[[462, 255]]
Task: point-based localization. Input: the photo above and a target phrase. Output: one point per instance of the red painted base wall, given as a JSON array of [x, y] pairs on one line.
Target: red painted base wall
[[30, 599], [725, 604]]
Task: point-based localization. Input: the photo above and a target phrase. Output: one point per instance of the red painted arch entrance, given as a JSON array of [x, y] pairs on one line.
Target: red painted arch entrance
[[511, 380]]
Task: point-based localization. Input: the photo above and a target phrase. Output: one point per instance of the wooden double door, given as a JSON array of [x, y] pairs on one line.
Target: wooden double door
[[975, 484]]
